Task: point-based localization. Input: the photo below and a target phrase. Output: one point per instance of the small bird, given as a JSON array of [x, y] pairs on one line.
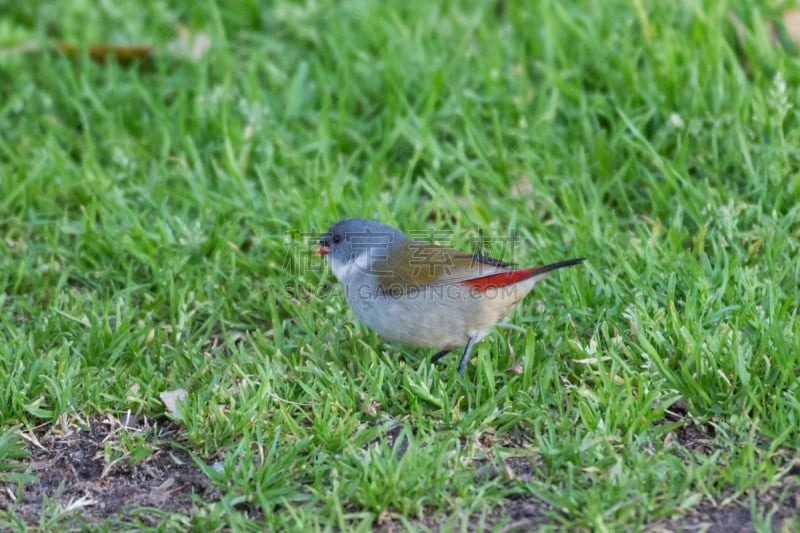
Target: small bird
[[421, 294]]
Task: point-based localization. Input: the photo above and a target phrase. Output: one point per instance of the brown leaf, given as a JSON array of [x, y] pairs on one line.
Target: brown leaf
[[188, 45], [125, 55]]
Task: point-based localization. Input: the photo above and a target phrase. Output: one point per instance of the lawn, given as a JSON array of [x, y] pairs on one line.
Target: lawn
[[157, 223]]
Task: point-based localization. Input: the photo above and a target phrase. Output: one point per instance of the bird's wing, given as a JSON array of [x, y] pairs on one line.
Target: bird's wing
[[420, 263]]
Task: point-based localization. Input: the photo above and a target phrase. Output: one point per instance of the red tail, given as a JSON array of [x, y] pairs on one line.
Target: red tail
[[504, 279]]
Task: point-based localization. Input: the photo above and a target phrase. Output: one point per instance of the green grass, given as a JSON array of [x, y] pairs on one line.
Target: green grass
[[146, 213]]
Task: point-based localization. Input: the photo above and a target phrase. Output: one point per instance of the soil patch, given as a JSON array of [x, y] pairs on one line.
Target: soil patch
[[86, 477]]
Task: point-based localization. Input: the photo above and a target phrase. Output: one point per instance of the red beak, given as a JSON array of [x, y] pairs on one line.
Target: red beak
[[322, 250]]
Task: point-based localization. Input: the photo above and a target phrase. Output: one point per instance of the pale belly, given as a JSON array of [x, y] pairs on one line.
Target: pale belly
[[442, 317]]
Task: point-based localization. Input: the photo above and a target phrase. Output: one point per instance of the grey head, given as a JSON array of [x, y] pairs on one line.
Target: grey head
[[353, 243]]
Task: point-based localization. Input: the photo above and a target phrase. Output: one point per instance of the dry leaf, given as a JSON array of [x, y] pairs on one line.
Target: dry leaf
[[591, 360], [782, 33], [521, 188], [516, 369], [124, 55], [791, 21], [188, 45], [171, 399]]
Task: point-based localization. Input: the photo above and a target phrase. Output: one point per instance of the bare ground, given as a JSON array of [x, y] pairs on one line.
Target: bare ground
[[85, 478], [75, 478]]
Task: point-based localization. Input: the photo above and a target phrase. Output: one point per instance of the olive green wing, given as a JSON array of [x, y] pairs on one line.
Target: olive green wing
[[418, 263]]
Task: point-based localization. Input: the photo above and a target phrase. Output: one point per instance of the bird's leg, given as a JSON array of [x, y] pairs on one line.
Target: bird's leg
[[439, 355], [463, 364]]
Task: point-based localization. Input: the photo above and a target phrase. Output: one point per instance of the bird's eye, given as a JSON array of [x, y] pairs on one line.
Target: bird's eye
[[337, 239]]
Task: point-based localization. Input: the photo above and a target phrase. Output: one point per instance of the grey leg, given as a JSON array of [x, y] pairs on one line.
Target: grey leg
[[463, 364]]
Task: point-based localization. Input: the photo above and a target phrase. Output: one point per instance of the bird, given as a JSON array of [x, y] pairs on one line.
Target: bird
[[424, 295]]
